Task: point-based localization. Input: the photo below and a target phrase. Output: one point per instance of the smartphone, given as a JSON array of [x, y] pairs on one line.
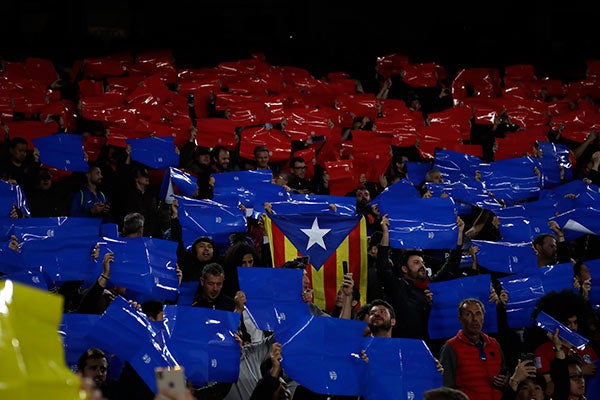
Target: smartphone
[[172, 378], [318, 139], [190, 98], [345, 267], [527, 356]]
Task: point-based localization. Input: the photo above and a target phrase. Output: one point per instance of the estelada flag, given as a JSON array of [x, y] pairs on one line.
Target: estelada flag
[[328, 240]]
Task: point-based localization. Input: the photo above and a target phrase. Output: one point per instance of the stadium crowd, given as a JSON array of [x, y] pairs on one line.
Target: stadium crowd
[[323, 138]]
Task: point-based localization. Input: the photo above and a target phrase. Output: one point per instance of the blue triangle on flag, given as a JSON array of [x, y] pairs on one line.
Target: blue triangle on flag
[[316, 235]]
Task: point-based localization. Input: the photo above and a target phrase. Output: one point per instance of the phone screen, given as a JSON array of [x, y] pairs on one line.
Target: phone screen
[[345, 266]]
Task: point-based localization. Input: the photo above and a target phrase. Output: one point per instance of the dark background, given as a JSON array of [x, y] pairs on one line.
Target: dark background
[[322, 36]]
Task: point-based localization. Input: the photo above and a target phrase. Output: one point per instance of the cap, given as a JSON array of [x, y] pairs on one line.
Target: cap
[[201, 150]]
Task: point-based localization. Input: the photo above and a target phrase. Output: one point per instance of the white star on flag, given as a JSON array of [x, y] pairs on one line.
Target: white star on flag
[[315, 235]]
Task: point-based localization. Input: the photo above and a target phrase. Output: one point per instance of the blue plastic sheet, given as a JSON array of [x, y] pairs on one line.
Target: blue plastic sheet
[[400, 369], [455, 166], [580, 221], [209, 218], [129, 335], [525, 289], [512, 179], [202, 340], [35, 277], [274, 296], [12, 196], [549, 324], [323, 354], [403, 189], [421, 223], [74, 332], [62, 245], [416, 171], [154, 152], [465, 193], [505, 257], [63, 151], [145, 266], [443, 319], [184, 182]]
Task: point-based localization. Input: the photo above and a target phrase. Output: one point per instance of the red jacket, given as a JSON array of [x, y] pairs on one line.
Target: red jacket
[[473, 375]]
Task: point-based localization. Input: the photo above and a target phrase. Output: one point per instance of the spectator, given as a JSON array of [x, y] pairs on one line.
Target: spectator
[[141, 197], [444, 393], [90, 201], [568, 308], [192, 158], [473, 361], [47, 198], [93, 364], [16, 162], [203, 250], [370, 212], [209, 293], [408, 291], [220, 159], [300, 184]]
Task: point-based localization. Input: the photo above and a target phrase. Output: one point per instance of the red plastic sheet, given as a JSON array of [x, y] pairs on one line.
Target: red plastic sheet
[[278, 143], [216, 131]]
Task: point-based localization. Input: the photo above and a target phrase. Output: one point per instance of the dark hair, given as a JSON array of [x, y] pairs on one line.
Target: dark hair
[[406, 254], [132, 223], [152, 307], [259, 148], [91, 353], [380, 302], [375, 239], [204, 239], [295, 160], [362, 312], [444, 393], [470, 300], [538, 379], [17, 140], [539, 239], [214, 153], [212, 269], [561, 305]]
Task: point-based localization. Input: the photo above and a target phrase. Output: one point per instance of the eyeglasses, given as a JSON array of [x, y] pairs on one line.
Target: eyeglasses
[[576, 377], [482, 355], [299, 167]]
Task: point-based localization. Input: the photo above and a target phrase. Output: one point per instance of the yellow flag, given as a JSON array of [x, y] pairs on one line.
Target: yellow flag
[[32, 356]]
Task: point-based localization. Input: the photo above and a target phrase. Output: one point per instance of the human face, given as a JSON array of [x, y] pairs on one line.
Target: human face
[[18, 153], [96, 369], [572, 323], [212, 285], [380, 319], [577, 388], [95, 176], [203, 159], [471, 319], [415, 269], [262, 159], [436, 177], [299, 169], [204, 251], [529, 390], [223, 159], [363, 196], [547, 249], [247, 260]]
